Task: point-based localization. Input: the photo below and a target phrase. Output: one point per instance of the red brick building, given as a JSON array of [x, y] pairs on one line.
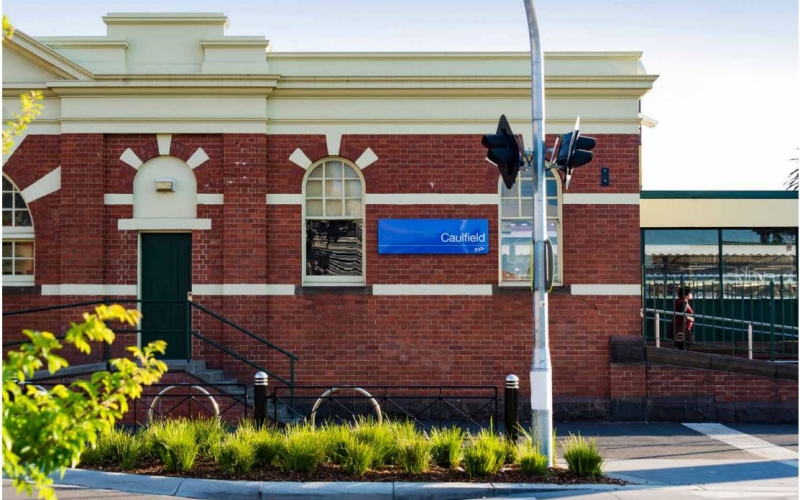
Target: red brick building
[[257, 182]]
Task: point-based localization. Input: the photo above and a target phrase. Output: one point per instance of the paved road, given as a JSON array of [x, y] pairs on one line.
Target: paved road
[[667, 461]]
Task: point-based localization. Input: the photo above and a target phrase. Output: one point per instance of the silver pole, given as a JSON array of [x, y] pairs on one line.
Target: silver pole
[[541, 372], [658, 331]]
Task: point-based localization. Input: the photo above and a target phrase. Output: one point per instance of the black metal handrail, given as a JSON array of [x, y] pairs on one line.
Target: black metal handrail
[[189, 332]]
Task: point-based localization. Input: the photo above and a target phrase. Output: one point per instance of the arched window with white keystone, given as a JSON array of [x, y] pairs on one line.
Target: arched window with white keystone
[[516, 227], [18, 241], [333, 218]]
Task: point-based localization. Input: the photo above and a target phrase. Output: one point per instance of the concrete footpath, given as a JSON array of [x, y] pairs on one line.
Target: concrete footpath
[[651, 479]]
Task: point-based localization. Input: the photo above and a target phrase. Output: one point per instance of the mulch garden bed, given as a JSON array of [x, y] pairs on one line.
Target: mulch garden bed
[[208, 469]]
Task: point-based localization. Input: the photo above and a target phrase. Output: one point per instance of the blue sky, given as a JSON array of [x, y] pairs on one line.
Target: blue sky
[[727, 100]]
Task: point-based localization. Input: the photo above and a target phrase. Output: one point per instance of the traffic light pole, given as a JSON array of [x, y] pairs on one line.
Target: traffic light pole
[[541, 370]]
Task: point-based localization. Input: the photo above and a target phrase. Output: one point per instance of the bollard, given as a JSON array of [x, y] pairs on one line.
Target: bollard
[[512, 407], [260, 399], [749, 341]]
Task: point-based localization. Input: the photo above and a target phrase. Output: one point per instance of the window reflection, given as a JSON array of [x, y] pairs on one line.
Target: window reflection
[[333, 248]]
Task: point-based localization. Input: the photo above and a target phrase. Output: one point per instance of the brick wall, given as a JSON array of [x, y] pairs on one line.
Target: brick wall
[[350, 336]]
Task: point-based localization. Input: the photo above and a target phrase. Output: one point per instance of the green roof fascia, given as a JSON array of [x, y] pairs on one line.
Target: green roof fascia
[[719, 195]]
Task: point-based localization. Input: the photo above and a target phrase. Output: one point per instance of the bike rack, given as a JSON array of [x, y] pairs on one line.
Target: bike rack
[[167, 389], [330, 391]]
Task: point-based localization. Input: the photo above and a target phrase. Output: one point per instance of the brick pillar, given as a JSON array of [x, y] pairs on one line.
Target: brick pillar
[[82, 208], [244, 235]]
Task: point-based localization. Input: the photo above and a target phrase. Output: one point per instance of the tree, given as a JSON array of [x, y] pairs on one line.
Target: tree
[[791, 183], [30, 104], [46, 431]]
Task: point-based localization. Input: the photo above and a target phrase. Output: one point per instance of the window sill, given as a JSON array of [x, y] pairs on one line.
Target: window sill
[[333, 289]]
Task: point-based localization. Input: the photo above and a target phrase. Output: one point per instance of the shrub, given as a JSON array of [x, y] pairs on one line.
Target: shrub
[[381, 437], [303, 450], [414, 454], [150, 437], [210, 433], [446, 445], [484, 454], [236, 454], [582, 456], [528, 457], [128, 448], [177, 446], [336, 439], [102, 451], [356, 456]]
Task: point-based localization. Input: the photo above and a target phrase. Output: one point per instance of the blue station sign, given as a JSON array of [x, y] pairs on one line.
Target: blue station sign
[[433, 236]]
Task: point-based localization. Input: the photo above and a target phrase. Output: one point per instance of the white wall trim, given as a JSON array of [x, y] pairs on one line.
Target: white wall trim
[[601, 198], [164, 143], [127, 199], [300, 159], [131, 159], [432, 199], [284, 199], [165, 224], [367, 158], [82, 289], [198, 158], [210, 199], [118, 199], [431, 289], [334, 140], [49, 183], [606, 290], [233, 289]]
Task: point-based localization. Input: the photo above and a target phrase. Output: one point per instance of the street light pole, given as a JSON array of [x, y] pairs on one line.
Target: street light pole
[[541, 370]]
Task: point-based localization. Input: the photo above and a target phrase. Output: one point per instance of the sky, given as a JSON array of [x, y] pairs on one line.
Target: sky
[[727, 99]]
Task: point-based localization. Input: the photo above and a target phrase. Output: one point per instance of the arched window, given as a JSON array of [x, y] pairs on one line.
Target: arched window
[[333, 215], [18, 249], [516, 227]]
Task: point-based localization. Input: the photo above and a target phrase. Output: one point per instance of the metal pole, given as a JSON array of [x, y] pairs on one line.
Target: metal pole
[[541, 371], [657, 331], [260, 399], [512, 408], [749, 341]]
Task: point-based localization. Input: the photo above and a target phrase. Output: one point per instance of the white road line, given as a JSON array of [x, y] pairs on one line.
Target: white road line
[[746, 442]]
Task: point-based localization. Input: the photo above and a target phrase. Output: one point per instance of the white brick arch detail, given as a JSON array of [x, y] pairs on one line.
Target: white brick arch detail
[[148, 203]]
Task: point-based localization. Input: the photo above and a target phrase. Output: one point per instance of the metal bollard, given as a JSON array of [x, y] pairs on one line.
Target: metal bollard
[[260, 399], [512, 407], [749, 341]]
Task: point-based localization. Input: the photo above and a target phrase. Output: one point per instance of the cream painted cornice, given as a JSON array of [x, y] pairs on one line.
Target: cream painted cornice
[[16, 89], [166, 18], [168, 85], [46, 58], [628, 56], [80, 42], [236, 41]]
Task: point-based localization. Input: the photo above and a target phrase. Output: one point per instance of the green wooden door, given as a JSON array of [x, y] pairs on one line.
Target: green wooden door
[[166, 275]]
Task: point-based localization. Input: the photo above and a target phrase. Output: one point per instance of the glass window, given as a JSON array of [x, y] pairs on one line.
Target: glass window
[[18, 244], [334, 236], [516, 227], [759, 254]]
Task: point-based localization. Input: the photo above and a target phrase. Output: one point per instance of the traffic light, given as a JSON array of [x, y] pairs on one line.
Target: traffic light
[[504, 151], [574, 151]]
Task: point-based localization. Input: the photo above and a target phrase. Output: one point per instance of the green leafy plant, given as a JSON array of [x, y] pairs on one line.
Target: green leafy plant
[[530, 460], [267, 442], [381, 437], [356, 457], [446, 446], [303, 451], [102, 452], [177, 445], [582, 456], [47, 431], [209, 433], [236, 454], [484, 454], [414, 454]]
